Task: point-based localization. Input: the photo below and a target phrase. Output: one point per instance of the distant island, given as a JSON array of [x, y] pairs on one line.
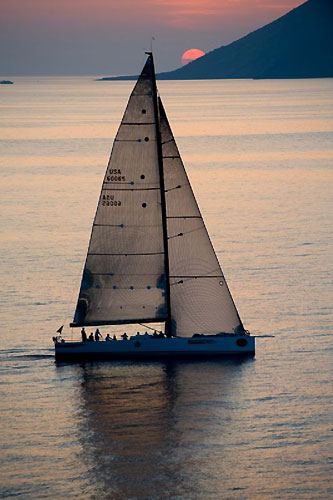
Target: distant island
[[6, 82], [297, 45]]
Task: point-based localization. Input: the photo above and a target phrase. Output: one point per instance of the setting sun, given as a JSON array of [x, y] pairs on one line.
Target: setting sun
[[191, 54]]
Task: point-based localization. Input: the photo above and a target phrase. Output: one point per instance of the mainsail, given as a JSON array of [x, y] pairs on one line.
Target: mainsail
[[124, 275], [200, 299]]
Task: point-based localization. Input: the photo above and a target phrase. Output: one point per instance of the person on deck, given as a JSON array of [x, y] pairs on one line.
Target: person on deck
[[108, 338], [91, 337], [83, 335], [98, 335], [124, 336], [114, 337]]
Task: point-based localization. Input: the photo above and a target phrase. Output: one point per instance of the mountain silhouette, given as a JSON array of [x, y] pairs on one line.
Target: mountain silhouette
[[297, 45]]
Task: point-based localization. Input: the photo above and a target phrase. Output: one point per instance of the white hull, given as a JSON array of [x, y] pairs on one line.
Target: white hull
[[149, 347]]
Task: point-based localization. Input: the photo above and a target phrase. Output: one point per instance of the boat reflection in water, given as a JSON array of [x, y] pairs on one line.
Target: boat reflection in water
[[157, 430]]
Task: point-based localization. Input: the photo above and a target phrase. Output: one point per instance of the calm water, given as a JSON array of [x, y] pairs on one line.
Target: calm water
[[260, 158]]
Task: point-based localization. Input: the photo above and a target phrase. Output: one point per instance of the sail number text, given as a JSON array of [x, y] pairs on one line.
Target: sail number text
[[114, 175], [109, 201]]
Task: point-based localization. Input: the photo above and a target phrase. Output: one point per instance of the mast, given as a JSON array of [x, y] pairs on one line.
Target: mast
[[163, 202]]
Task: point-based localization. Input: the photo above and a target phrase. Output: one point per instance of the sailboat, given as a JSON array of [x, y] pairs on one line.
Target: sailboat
[[150, 259]]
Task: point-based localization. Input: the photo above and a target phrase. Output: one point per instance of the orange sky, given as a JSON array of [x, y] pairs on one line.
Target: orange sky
[[108, 36]]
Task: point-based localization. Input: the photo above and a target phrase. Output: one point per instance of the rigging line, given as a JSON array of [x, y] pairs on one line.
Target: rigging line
[[132, 140], [171, 189], [118, 182], [125, 254], [129, 189], [180, 282], [142, 275], [127, 226], [175, 236], [149, 327], [185, 279], [216, 270], [116, 288], [177, 283], [108, 225], [133, 321], [187, 232], [198, 276], [137, 123]]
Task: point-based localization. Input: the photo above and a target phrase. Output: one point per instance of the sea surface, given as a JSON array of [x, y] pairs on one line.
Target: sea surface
[[259, 155]]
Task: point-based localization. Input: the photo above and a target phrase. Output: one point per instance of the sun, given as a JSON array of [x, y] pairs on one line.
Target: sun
[[190, 55]]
